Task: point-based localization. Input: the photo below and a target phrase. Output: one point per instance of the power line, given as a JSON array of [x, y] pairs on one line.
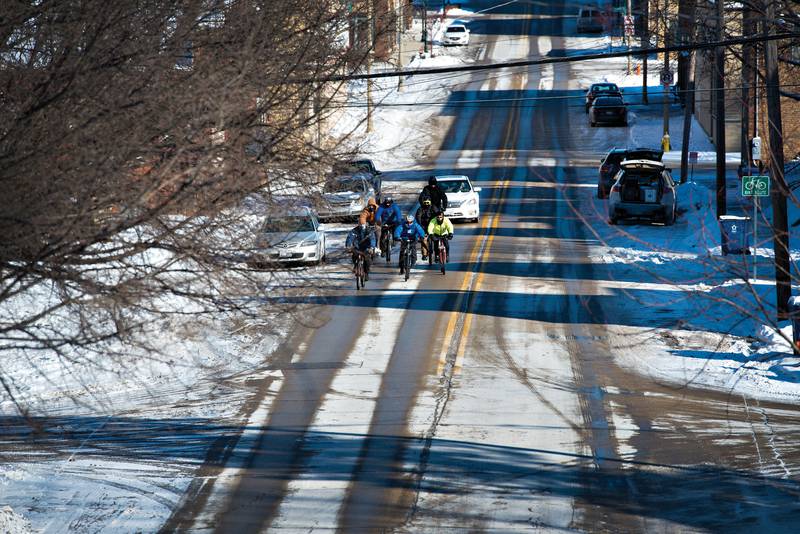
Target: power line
[[554, 60]]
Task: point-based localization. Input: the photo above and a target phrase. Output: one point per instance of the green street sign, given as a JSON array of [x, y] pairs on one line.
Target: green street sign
[[755, 186]]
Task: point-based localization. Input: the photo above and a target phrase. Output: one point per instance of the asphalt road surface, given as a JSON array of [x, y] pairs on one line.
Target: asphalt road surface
[[487, 400]]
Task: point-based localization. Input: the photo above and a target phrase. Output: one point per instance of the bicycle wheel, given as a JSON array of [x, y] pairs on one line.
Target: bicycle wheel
[[430, 252], [359, 270], [407, 262], [442, 257]]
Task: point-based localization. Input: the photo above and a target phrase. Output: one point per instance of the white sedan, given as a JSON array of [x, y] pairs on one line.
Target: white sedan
[[463, 200], [291, 237], [456, 34]]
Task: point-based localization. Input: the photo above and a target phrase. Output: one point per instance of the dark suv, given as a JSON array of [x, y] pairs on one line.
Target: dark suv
[[609, 165], [601, 89]]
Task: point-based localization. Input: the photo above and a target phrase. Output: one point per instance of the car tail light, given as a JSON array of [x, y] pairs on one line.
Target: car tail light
[[615, 188], [605, 168]]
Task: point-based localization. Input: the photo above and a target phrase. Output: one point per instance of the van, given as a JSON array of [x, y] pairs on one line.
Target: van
[[590, 19]]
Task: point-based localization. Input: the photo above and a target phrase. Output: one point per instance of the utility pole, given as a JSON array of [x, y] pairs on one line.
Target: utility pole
[[399, 27], [425, 26], [665, 85], [783, 282], [646, 39], [370, 50], [719, 92], [625, 31], [747, 73], [688, 110]]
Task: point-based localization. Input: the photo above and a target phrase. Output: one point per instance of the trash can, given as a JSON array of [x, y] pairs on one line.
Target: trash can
[[794, 315], [735, 234]]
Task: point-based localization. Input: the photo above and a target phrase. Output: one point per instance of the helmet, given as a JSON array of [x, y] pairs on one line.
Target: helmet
[[388, 201], [426, 202], [432, 180], [409, 218]]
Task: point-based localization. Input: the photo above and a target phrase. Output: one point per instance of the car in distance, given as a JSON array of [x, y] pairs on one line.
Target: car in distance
[[643, 189], [456, 34], [597, 89], [365, 166], [609, 165], [344, 196], [590, 20], [292, 236], [608, 110], [463, 200]]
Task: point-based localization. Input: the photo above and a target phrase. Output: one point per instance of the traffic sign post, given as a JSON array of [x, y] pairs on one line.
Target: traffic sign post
[[756, 187]]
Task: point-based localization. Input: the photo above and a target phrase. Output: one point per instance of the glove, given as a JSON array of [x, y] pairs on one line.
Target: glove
[[375, 250], [449, 236]]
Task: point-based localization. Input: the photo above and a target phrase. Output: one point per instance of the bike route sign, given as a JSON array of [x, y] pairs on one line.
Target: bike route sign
[[755, 186]]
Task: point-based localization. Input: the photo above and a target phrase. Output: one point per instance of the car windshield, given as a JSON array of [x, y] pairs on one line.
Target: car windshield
[[456, 29], [289, 225], [342, 185], [614, 158], [455, 186], [605, 87], [608, 102]]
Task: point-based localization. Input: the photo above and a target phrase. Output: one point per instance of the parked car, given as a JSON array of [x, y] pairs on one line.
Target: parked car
[[463, 200], [598, 89], [643, 189], [368, 166], [608, 110], [293, 236], [590, 19], [345, 196], [609, 165], [456, 34]]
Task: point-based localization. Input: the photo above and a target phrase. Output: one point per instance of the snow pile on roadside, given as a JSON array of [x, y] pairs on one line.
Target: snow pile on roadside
[[13, 523], [399, 133], [706, 319]]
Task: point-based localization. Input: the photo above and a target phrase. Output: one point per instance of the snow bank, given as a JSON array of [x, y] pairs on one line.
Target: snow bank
[[13, 523]]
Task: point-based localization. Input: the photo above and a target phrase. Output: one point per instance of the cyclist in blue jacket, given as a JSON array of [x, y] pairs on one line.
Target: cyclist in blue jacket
[[388, 214], [409, 232]]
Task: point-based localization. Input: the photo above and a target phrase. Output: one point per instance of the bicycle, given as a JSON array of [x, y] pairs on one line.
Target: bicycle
[[409, 252], [386, 242], [360, 270], [441, 252]]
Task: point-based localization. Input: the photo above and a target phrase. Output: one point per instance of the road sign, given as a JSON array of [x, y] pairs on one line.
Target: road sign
[[629, 27], [755, 186], [666, 77], [692, 157]]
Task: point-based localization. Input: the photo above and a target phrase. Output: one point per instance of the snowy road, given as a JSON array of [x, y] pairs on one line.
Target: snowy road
[[489, 399]]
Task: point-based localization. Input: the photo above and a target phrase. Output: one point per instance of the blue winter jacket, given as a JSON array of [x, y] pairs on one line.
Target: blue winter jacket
[[390, 215], [362, 239], [411, 231]]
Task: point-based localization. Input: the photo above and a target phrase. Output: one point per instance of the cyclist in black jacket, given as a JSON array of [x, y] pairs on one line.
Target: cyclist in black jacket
[[424, 214], [434, 193]]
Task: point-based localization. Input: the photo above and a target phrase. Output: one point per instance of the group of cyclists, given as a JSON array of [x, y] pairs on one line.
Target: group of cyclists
[[427, 226]]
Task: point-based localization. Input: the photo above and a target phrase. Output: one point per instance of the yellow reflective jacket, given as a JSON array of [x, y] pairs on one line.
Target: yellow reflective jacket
[[434, 228]]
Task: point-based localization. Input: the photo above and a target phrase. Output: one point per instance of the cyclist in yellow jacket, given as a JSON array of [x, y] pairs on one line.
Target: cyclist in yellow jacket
[[440, 227]]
